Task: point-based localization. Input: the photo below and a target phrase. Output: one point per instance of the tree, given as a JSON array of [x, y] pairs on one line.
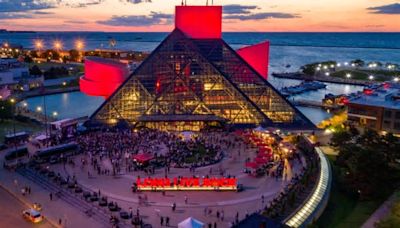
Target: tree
[[365, 165], [35, 70], [28, 59], [5, 110], [341, 137], [358, 62], [34, 54], [74, 55]]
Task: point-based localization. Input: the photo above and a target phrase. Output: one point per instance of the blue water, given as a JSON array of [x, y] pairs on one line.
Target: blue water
[[67, 105], [294, 49], [135, 40]]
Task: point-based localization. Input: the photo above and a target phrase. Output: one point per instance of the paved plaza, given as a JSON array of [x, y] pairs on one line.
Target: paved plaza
[[202, 205]]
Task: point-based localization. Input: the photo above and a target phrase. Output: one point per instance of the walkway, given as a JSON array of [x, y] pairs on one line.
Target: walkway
[[382, 211]]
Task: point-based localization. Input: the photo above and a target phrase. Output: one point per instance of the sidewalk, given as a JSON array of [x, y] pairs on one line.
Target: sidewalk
[[52, 210], [381, 212]]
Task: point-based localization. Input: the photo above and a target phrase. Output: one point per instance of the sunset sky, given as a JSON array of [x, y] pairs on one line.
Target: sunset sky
[[239, 15]]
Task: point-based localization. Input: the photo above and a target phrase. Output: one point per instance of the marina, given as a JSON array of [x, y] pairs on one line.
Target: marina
[[302, 88]]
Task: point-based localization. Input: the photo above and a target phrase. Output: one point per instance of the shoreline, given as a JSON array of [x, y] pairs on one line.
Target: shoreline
[[301, 76]]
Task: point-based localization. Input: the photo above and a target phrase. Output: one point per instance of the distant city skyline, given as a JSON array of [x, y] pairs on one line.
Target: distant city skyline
[[239, 15]]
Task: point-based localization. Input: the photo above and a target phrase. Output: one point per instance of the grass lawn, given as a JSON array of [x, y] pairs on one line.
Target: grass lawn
[[6, 127], [358, 75], [345, 211]]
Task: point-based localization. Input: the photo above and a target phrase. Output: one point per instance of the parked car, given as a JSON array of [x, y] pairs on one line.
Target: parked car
[[32, 215]]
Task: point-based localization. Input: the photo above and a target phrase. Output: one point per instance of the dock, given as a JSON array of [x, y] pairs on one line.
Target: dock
[[318, 104], [302, 88]]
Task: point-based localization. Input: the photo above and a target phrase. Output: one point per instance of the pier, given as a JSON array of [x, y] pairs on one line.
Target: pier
[[321, 78]]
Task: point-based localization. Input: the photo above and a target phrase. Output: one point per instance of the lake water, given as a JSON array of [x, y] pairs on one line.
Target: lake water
[[294, 49], [77, 104]]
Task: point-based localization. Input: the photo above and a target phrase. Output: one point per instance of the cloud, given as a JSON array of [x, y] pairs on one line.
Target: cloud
[[238, 9], [23, 5], [374, 26], [135, 1], [261, 16], [75, 22], [386, 9], [246, 12], [155, 18], [77, 3], [41, 12], [14, 15]]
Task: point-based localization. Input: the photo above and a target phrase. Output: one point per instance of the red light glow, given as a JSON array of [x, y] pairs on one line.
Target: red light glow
[[257, 56], [199, 22], [102, 77]]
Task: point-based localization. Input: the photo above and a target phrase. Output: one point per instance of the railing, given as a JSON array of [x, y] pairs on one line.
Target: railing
[[314, 205]]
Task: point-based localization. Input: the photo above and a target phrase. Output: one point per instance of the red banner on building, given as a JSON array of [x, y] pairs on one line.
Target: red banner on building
[[186, 183]]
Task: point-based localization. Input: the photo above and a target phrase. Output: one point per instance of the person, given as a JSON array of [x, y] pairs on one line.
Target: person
[[59, 221], [167, 221], [209, 225], [51, 196], [215, 224], [162, 221], [186, 199]]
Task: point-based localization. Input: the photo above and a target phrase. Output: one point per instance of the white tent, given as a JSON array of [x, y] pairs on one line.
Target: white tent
[[190, 223]]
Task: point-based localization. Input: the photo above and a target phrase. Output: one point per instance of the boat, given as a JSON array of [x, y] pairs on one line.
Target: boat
[[304, 86]]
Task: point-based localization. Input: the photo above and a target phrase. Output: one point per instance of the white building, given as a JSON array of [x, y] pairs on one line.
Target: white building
[[15, 75]]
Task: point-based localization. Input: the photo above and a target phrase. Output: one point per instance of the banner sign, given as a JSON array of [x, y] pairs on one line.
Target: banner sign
[[186, 184]]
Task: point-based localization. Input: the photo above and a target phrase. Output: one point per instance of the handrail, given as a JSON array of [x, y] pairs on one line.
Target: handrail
[[314, 205]]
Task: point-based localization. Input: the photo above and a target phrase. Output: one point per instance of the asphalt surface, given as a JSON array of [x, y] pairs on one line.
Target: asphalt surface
[[11, 213]]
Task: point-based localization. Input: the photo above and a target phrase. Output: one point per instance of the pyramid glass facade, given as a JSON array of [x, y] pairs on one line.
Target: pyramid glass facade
[[191, 84]]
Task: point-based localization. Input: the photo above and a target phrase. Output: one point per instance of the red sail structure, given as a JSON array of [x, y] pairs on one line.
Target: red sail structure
[[102, 76], [257, 56]]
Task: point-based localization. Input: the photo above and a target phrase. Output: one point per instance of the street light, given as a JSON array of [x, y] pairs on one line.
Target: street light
[[348, 75], [55, 114], [57, 45], [38, 108], [38, 44], [64, 83], [12, 100], [79, 44], [371, 77], [396, 79]]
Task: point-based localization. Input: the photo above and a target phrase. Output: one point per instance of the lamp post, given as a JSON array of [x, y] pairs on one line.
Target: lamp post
[[80, 45], [12, 100]]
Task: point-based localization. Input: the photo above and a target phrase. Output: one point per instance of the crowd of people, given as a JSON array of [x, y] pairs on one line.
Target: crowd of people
[[167, 149], [293, 191]]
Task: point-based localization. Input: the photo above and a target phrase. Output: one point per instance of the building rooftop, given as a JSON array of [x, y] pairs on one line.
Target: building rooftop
[[386, 96]]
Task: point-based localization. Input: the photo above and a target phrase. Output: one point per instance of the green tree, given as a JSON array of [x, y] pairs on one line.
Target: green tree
[[358, 62], [28, 59], [341, 137], [74, 55], [35, 70], [5, 110]]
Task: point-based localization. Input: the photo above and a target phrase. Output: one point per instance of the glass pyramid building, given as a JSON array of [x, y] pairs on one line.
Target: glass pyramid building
[[188, 84]]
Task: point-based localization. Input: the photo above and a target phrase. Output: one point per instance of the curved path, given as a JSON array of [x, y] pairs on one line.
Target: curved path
[[245, 202]]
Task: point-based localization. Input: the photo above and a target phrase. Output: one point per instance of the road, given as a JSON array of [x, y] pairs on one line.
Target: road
[[11, 213]]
